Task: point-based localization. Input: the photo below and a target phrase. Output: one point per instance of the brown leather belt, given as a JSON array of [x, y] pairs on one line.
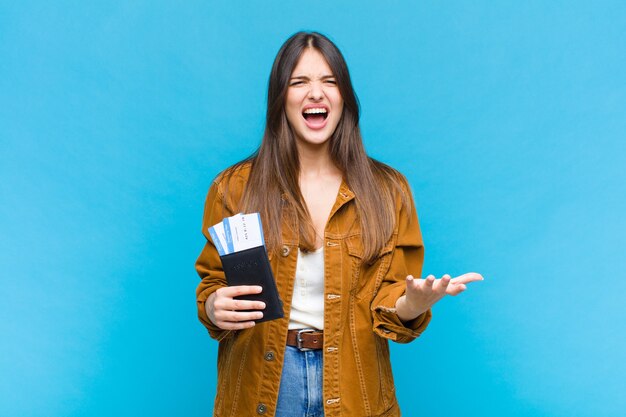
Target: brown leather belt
[[305, 339]]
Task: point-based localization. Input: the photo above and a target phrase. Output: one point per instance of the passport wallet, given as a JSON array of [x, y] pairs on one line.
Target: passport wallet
[[252, 267]]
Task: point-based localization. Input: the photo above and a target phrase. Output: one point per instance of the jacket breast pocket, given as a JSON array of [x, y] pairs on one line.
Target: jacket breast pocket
[[366, 276]]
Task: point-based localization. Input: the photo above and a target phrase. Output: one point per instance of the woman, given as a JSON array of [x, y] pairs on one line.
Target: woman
[[343, 241]]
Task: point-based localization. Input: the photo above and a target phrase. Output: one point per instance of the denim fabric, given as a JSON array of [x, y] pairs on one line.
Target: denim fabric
[[300, 392]]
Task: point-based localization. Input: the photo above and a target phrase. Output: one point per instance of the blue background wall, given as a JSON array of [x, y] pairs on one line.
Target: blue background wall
[[509, 119]]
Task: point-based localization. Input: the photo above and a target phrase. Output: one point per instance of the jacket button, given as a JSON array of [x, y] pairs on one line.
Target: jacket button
[[285, 251], [261, 408], [269, 356]]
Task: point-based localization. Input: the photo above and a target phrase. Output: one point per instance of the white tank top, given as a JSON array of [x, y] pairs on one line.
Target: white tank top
[[307, 303]]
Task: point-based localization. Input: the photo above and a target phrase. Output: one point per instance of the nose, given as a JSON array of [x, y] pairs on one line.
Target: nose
[[316, 92]]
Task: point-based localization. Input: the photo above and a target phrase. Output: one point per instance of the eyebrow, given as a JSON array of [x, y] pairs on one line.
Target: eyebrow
[[304, 77]]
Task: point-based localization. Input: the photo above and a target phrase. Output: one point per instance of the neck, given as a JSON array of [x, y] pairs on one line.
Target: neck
[[315, 160]]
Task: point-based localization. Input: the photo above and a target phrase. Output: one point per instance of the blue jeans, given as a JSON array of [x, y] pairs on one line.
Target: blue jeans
[[300, 393]]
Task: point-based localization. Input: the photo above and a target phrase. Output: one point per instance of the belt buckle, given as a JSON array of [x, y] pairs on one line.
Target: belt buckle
[[299, 339]]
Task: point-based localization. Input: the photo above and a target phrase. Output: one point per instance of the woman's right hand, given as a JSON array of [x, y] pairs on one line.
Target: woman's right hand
[[223, 309]]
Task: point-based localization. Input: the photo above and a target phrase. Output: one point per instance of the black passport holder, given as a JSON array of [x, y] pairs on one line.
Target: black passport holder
[[252, 267]]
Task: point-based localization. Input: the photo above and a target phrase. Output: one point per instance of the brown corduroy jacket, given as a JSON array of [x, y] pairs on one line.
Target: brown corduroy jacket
[[359, 313]]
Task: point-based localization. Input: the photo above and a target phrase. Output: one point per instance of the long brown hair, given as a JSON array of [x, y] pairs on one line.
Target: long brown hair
[[275, 166]]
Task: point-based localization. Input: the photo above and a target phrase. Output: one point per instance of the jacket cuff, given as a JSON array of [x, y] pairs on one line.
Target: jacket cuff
[[387, 324]]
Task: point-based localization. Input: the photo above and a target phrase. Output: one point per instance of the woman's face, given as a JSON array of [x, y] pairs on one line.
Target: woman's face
[[313, 103]]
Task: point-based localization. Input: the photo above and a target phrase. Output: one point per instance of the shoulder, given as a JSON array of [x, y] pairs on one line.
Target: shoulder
[[391, 178], [229, 185], [238, 173], [399, 190]]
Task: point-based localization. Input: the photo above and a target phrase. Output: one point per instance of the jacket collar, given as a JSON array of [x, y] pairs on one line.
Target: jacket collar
[[344, 195]]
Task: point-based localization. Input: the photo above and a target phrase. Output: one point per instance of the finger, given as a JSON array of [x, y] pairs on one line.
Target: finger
[[467, 278], [233, 304], [227, 325], [456, 289], [429, 281], [443, 283], [236, 290], [238, 316], [224, 303], [411, 283]]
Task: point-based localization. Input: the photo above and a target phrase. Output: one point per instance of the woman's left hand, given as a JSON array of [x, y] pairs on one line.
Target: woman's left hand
[[422, 294]]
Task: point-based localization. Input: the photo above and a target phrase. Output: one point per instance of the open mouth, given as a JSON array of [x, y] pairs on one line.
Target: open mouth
[[315, 115]]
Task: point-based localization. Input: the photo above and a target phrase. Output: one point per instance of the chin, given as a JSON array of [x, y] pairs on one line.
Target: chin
[[315, 140]]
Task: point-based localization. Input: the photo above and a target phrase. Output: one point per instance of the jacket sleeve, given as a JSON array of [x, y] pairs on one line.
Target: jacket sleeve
[[406, 258], [208, 264]]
